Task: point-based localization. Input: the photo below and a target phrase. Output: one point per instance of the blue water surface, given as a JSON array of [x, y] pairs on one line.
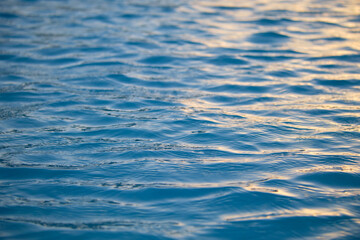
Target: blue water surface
[[186, 119]]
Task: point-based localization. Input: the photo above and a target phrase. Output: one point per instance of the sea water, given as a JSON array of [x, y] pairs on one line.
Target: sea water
[[186, 119]]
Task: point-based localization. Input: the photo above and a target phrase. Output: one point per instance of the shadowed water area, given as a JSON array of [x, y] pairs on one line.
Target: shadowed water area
[[188, 119]]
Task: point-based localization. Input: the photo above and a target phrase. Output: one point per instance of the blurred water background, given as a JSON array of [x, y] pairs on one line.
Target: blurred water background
[[187, 119]]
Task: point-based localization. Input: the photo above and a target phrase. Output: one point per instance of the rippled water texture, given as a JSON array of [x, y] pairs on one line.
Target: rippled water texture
[[187, 119]]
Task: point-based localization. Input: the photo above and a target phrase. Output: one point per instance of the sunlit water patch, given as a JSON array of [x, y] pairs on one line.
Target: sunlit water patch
[[188, 119]]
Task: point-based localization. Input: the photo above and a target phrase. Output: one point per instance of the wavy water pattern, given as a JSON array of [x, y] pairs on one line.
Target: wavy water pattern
[[188, 119]]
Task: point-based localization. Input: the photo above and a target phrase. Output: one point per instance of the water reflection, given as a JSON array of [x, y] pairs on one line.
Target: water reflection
[[187, 120], [304, 212]]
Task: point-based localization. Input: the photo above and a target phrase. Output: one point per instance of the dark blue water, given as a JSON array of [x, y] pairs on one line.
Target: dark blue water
[[187, 119]]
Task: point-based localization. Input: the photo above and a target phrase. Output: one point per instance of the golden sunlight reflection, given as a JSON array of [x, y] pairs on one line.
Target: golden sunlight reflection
[[335, 234], [291, 103], [325, 168], [279, 191], [251, 186], [233, 30], [286, 213]]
